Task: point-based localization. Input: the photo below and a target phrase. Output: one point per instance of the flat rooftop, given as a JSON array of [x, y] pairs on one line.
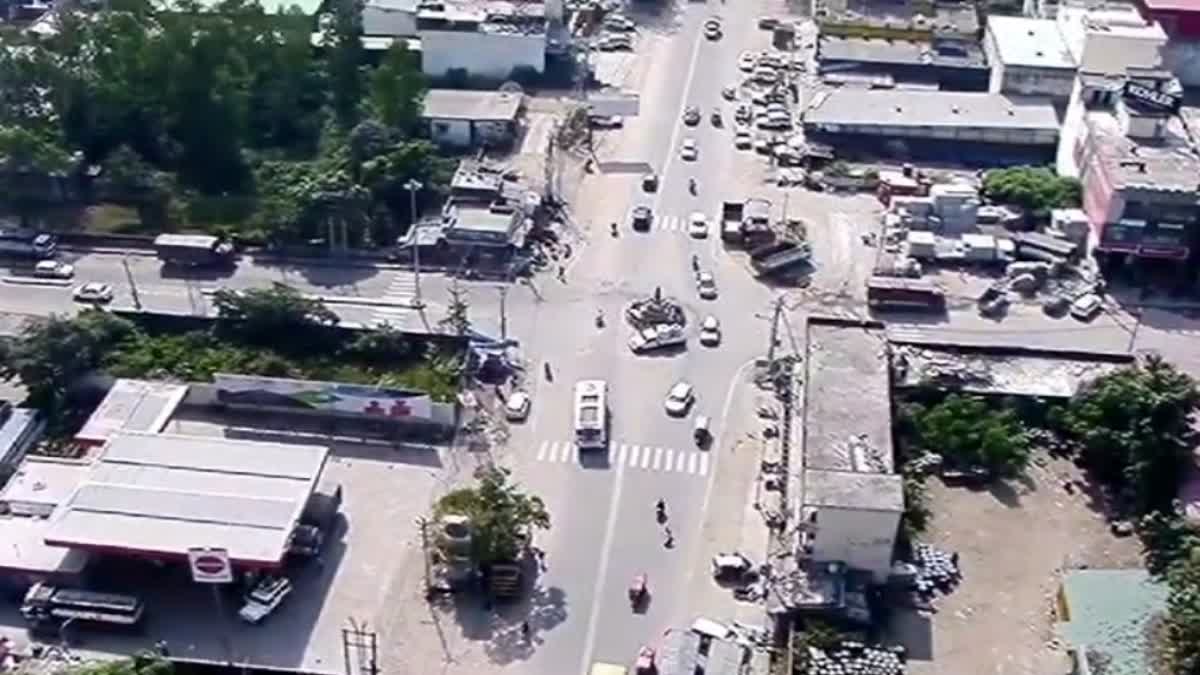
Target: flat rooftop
[[998, 371], [901, 108], [480, 218], [1032, 43], [1171, 165], [132, 405], [161, 494], [476, 106], [847, 399], [28, 502], [853, 490], [947, 54]]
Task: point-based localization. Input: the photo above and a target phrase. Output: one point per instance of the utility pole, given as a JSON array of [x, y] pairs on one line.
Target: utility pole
[[503, 314], [137, 301], [412, 185], [774, 332]]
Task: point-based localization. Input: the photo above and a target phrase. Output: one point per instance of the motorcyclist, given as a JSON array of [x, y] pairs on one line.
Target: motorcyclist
[[546, 368], [599, 317], [614, 228], [660, 508], [695, 263], [692, 185]]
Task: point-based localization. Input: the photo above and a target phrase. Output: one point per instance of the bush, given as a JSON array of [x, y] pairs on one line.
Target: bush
[[1037, 189], [969, 431]]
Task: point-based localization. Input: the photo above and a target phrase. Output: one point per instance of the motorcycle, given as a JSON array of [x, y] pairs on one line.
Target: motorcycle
[[546, 369], [599, 319], [614, 229], [695, 263], [692, 185]]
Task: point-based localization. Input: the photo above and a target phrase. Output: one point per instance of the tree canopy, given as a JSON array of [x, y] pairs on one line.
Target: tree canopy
[[278, 316], [1134, 430], [969, 431], [1038, 189], [502, 516]]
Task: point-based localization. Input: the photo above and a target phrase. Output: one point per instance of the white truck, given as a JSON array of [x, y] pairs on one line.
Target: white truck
[[658, 336]]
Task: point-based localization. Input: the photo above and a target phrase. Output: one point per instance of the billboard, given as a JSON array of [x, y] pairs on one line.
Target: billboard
[[210, 565], [347, 400]]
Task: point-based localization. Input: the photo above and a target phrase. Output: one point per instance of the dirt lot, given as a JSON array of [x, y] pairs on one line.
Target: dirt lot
[[1014, 540]]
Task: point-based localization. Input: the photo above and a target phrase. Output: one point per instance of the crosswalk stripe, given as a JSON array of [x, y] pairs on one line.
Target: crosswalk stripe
[[541, 456], [565, 455], [668, 458], [703, 465], [621, 454], [646, 459], [691, 463], [679, 461], [633, 455], [658, 453]]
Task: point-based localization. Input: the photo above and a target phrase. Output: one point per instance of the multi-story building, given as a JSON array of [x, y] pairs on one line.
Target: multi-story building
[[487, 41], [1140, 172], [1180, 20], [1028, 57]]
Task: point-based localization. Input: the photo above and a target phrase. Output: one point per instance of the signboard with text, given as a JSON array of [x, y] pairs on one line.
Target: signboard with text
[[1154, 99], [350, 400]]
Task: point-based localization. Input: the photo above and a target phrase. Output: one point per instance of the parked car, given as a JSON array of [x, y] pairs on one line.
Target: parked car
[[729, 93], [688, 150], [742, 139], [691, 115], [618, 23], [768, 22], [607, 121], [94, 291], [743, 113], [516, 408], [640, 217], [706, 285], [650, 182], [712, 29], [53, 269], [679, 399], [264, 598], [710, 331], [765, 75], [1087, 307], [697, 225], [612, 43], [747, 61]]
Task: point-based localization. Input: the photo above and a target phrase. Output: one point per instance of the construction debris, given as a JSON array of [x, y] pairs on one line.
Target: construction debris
[[937, 570], [855, 658]]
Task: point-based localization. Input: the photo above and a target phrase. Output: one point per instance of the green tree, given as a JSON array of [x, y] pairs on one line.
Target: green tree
[[502, 516], [343, 44], [398, 88], [49, 356], [458, 313], [1133, 427], [383, 346], [1183, 617], [969, 431], [1038, 189], [1167, 539], [278, 317]]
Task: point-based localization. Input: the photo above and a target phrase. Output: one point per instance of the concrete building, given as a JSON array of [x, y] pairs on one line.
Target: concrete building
[[487, 41], [462, 119], [20, 428], [952, 65], [390, 18], [1140, 172], [1180, 20], [852, 498], [1109, 39], [955, 117], [1028, 57]]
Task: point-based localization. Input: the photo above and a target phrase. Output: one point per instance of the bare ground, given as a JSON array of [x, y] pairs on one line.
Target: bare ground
[[1014, 542]]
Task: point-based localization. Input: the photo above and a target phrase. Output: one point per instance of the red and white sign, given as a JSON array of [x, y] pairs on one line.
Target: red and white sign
[[210, 565]]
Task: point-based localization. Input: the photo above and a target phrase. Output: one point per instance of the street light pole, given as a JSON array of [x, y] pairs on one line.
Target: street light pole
[[133, 291], [412, 185]]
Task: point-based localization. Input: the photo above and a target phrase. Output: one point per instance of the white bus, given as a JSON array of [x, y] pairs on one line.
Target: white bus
[[591, 414]]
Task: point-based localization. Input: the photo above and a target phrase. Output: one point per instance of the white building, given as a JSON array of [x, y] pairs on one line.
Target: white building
[[1107, 40], [488, 42], [390, 18], [460, 119], [1028, 57]]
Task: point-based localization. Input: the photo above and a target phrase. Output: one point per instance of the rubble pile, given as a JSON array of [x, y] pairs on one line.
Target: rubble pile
[[855, 658], [937, 570]]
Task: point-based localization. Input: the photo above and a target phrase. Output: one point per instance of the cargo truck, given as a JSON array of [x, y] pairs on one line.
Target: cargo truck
[[193, 250], [26, 244]]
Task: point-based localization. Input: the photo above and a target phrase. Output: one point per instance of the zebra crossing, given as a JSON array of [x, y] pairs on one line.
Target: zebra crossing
[[670, 223], [642, 457], [401, 289]]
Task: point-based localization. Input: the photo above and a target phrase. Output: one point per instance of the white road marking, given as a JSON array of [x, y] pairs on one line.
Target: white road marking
[[679, 461], [621, 455], [633, 455], [669, 455], [541, 456], [646, 458], [703, 464], [565, 454], [691, 468], [610, 529]]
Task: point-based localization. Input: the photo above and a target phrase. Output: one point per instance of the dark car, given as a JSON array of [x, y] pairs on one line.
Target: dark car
[[650, 182], [640, 217], [691, 116]]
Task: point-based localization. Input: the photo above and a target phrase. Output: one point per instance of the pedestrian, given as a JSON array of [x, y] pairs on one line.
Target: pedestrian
[[525, 630], [562, 273]]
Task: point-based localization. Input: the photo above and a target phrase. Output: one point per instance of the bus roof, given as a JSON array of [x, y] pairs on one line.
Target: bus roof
[[585, 387]]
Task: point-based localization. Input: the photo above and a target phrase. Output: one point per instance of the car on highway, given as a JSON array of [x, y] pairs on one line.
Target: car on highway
[[706, 285], [742, 139], [1087, 307], [710, 331], [747, 62], [712, 29], [691, 115], [679, 399], [53, 269], [688, 150], [697, 225], [516, 408], [94, 291], [640, 217]]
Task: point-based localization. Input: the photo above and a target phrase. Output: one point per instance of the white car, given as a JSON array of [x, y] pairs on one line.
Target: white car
[[679, 399], [712, 29], [618, 22], [707, 286], [697, 225], [742, 139], [688, 150], [747, 61], [94, 291], [264, 598], [516, 408], [710, 331], [52, 269], [1087, 307], [765, 75]]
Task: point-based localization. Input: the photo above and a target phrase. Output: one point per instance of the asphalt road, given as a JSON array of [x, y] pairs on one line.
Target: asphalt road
[[604, 531]]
